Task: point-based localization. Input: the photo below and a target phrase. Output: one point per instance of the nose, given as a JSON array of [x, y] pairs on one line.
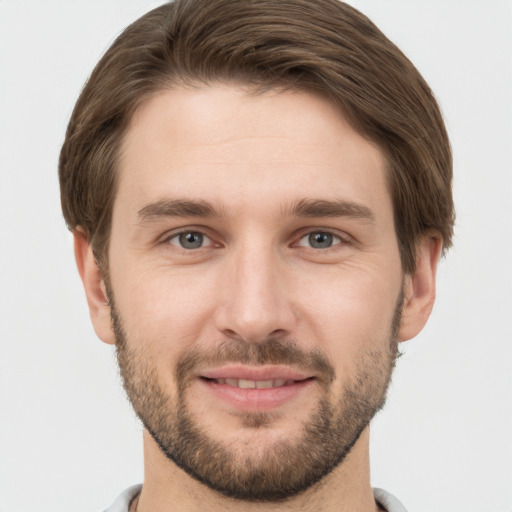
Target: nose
[[255, 303]]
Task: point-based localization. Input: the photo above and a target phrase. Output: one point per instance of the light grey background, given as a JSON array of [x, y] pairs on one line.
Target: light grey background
[[68, 438]]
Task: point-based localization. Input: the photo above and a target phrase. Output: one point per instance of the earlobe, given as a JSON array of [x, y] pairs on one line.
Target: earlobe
[[420, 287], [94, 286]]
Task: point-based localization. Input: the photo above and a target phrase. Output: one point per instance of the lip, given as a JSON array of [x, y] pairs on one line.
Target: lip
[[255, 399], [255, 373]]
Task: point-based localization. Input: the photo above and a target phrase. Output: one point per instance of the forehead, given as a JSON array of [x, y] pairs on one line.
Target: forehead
[[228, 146]]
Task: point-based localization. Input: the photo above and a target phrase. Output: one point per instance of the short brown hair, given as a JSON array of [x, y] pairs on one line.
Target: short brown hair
[[325, 47]]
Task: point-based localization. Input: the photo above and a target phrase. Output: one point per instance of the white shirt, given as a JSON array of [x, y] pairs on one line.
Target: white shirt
[[122, 503]]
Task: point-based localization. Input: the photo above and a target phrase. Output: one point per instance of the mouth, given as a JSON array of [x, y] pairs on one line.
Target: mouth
[[256, 389], [254, 384]]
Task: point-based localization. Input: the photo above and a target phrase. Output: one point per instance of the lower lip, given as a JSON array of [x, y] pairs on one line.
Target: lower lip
[[256, 399]]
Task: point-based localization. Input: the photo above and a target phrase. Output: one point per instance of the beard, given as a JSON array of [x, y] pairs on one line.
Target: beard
[[282, 468]]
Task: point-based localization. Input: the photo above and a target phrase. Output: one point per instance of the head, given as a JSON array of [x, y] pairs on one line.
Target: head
[[179, 120]]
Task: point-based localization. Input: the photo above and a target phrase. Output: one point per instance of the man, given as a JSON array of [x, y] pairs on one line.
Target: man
[[259, 193]]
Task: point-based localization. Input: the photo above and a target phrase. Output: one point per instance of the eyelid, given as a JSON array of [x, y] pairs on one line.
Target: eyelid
[[168, 236], [207, 241], [341, 238], [336, 240]]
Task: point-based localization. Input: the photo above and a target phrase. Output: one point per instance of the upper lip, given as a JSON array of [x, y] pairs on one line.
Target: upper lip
[[255, 373]]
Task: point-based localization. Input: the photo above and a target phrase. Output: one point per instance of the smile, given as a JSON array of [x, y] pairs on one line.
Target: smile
[[254, 384], [254, 388]]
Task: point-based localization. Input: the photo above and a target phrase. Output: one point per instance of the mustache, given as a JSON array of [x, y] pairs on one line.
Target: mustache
[[274, 351]]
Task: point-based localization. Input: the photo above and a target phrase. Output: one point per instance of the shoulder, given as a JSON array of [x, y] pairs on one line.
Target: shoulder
[[387, 500], [123, 500]]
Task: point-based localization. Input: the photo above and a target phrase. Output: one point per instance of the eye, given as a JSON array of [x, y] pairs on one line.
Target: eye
[[190, 240], [319, 240]]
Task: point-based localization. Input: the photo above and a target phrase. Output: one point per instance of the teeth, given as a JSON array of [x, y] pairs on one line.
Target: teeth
[[263, 384], [254, 384]]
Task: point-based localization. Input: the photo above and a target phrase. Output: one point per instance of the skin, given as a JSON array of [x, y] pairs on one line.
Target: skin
[[254, 157]]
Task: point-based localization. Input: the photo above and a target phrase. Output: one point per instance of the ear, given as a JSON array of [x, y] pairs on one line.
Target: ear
[[420, 287], [94, 286]]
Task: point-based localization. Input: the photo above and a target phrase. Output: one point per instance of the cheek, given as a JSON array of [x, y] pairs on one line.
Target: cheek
[[350, 314], [162, 310]]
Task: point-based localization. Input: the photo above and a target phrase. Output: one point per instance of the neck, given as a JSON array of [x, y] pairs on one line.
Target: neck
[[168, 488]]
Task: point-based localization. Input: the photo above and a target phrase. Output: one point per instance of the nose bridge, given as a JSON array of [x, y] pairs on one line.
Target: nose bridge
[[255, 305]]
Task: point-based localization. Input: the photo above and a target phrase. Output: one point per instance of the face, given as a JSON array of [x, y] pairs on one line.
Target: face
[[255, 284]]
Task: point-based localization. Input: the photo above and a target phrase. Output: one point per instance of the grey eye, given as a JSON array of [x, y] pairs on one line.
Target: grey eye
[[190, 240], [319, 240]]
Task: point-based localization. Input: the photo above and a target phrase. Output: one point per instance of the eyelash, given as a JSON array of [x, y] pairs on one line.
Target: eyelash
[[334, 239], [185, 233]]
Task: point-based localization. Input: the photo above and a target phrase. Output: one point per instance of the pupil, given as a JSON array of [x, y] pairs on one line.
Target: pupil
[[320, 240], [191, 240]]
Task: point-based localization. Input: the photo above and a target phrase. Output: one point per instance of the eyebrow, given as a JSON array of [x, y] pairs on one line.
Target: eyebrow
[[336, 208], [303, 208], [177, 208]]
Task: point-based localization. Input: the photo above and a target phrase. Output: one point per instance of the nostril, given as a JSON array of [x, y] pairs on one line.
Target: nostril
[[254, 336], [277, 333], [229, 333]]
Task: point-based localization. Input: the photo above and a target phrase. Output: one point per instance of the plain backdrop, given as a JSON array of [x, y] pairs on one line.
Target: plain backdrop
[[68, 438]]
